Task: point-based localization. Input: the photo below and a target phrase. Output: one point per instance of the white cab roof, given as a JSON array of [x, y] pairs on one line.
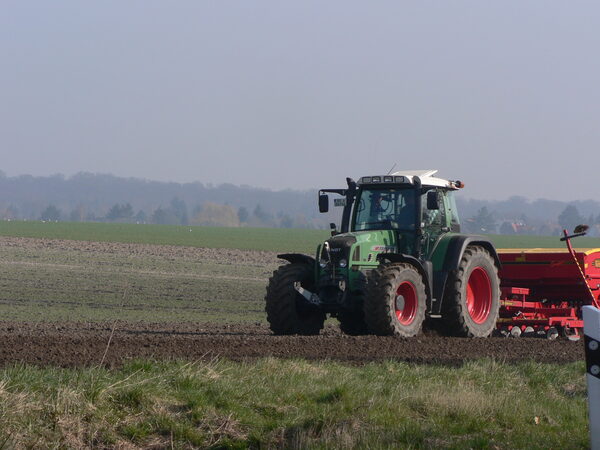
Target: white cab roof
[[427, 178]]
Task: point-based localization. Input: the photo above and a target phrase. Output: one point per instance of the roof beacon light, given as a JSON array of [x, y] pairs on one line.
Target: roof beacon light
[[459, 184], [376, 179], [388, 179], [366, 179]]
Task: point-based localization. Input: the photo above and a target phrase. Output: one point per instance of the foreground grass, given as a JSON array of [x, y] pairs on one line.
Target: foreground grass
[[270, 239], [295, 404]]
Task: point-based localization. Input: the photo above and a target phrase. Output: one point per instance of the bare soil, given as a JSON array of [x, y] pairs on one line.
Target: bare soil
[[59, 300], [111, 344], [218, 255]]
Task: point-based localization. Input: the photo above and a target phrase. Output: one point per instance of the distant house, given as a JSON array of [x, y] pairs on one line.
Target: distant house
[[517, 227]]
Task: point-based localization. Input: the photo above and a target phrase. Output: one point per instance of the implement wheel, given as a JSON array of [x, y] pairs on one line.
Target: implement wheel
[[395, 305], [287, 311], [472, 298]]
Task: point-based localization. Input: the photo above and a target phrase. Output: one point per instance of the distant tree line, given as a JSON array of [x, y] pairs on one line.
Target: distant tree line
[[486, 221], [106, 198], [176, 213]]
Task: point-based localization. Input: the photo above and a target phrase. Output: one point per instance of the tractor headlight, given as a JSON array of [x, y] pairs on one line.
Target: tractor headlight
[[343, 263], [323, 263]]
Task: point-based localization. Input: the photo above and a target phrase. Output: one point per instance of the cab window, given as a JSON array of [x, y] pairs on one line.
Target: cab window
[[452, 211], [434, 218], [385, 209]]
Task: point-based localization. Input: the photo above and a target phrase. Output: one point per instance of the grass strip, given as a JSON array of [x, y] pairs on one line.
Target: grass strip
[[295, 404]]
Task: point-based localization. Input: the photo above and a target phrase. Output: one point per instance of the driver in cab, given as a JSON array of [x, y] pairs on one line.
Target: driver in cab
[[379, 208], [394, 209]]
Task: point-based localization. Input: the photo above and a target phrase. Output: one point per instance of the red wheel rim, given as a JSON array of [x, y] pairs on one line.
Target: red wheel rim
[[479, 295], [407, 310]]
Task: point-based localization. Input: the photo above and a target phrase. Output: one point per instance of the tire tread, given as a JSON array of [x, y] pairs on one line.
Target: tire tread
[[454, 310], [379, 306], [281, 297]]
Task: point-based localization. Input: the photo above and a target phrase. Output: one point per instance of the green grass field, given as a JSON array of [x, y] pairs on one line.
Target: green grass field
[[274, 403], [270, 239]]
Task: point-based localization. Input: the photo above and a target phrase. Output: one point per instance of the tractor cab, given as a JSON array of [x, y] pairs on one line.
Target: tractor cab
[[417, 207]]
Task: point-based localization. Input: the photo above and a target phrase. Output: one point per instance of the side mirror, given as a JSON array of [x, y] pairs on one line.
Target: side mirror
[[433, 200], [323, 203], [333, 229]]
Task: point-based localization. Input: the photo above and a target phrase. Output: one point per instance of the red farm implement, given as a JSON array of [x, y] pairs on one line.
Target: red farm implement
[[543, 290]]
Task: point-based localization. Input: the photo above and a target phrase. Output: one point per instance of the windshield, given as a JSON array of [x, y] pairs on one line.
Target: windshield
[[385, 209]]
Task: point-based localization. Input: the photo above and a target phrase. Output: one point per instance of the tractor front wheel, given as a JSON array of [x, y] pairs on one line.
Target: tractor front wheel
[[287, 311], [472, 297], [395, 304]]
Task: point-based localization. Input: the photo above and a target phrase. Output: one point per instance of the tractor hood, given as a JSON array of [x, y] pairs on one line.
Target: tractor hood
[[376, 237], [360, 246]]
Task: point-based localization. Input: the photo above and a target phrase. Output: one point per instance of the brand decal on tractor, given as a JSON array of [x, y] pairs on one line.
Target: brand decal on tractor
[[382, 248]]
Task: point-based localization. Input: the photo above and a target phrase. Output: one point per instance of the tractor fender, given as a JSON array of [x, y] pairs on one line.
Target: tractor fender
[[297, 258], [424, 269], [457, 247], [454, 253]]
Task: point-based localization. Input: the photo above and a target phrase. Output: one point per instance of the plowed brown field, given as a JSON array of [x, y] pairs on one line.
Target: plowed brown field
[[90, 344], [59, 301]]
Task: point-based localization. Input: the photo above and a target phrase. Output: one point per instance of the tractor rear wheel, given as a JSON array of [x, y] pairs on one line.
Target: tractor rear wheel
[[287, 311], [395, 304], [472, 297]]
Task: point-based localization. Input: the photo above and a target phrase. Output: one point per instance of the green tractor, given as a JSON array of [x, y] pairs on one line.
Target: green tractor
[[398, 261]]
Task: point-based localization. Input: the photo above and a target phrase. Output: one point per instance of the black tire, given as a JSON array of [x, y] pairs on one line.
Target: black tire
[[384, 314], [287, 311], [353, 322], [472, 296]]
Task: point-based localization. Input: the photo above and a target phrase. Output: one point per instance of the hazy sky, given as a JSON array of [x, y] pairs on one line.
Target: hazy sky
[[504, 95]]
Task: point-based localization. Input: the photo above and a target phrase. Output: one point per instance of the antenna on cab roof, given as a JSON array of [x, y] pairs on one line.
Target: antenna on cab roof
[[391, 169]]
